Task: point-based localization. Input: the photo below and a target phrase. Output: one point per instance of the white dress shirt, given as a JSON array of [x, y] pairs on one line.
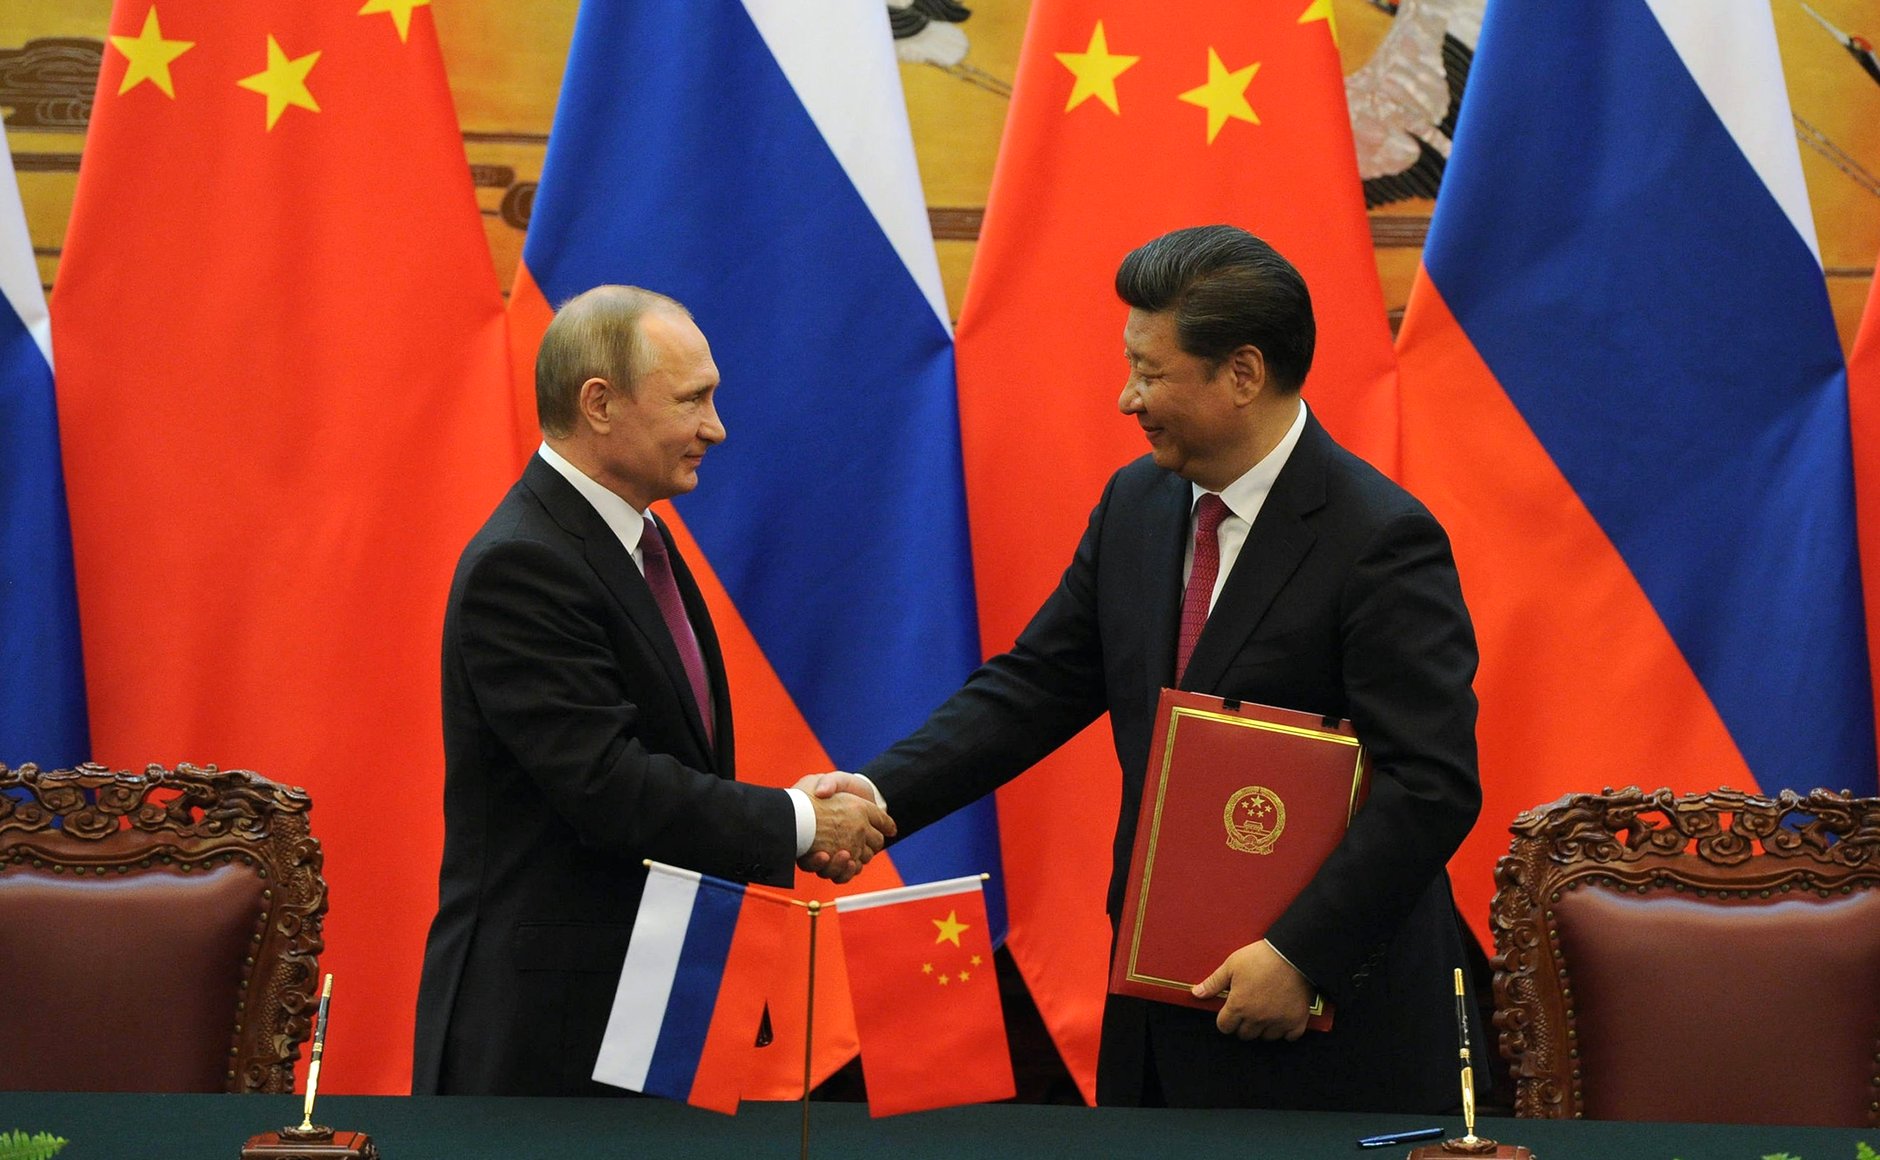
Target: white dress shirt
[[1244, 498]]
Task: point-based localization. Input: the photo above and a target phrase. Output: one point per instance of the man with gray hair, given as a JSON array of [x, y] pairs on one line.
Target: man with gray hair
[[587, 720]]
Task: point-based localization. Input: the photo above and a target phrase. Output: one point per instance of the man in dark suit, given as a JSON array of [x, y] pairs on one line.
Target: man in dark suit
[[587, 722], [1311, 582]]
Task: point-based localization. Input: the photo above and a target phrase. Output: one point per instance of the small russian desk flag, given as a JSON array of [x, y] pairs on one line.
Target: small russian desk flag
[[675, 1030]]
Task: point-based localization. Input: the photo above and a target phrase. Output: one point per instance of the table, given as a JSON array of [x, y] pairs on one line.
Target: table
[[207, 1127]]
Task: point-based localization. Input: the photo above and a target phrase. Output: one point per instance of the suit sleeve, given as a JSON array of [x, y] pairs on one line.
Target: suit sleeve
[[1409, 659], [1017, 708], [574, 715]]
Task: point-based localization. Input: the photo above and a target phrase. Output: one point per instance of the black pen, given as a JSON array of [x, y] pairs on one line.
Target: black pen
[[1390, 1138]]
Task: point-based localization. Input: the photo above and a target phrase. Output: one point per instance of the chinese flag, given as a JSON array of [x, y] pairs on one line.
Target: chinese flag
[[284, 409], [1863, 392], [926, 997], [1130, 119]]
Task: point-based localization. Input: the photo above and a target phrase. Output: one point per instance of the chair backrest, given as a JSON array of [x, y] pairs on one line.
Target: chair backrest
[[1707, 957], [159, 931]]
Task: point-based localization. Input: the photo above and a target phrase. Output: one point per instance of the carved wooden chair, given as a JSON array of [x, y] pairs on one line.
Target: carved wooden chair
[[1708, 957], [159, 931]]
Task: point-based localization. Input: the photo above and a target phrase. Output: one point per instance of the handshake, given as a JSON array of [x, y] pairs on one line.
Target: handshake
[[851, 825]]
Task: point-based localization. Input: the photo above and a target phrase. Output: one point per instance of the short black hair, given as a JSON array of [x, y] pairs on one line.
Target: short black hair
[[1226, 289]]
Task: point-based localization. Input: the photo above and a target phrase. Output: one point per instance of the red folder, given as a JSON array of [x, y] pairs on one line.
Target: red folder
[[1241, 806]]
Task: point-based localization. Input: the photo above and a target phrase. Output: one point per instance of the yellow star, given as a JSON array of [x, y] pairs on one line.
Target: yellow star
[[284, 82], [926, 968], [975, 960], [964, 976], [1225, 94], [401, 12], [1322, 10], [943, 980], [149, 56], [950, 928], [1096, 71]]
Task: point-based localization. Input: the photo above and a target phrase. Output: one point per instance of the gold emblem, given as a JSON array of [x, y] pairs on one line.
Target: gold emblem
[[1254, 817]]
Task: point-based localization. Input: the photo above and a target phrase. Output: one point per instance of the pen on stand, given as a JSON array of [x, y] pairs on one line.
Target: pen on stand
[[1405, 1137], [1468, 1071], [319, 1046]]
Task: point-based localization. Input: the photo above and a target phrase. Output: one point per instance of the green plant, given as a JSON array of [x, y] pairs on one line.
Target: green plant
[[20, 1146], [1862, 1151]]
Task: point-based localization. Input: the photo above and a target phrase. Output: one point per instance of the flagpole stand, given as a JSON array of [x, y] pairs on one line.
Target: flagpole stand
[[809, 1020]]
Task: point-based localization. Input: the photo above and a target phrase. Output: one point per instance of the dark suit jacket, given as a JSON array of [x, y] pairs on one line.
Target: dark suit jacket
[[573, 749], [1344, 601]]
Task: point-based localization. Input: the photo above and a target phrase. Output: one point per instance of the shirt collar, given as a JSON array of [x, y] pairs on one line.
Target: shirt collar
[[1245, 495], [619, 515]]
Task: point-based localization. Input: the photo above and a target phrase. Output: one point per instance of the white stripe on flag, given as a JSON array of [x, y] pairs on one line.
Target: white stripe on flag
[[646, 977], [938, 889], [1730, 50], [840, 60], [19, 274]]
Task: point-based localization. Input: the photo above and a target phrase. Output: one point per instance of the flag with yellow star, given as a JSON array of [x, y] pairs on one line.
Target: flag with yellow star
[[926, 997], [283, 394], [1130, 119]]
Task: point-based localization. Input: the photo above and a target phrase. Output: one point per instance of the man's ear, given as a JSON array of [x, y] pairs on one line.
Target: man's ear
[[1248, 366], [591, 402]]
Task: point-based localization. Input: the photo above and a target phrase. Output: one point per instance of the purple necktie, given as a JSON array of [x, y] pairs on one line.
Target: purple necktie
[[1209, 513], [666, 594]]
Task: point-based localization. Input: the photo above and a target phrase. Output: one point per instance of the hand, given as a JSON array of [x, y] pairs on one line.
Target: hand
[[850, 829], [1266, 997], [837, 781]]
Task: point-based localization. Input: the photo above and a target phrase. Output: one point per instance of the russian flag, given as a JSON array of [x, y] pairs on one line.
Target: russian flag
[[676, 1029], [42, 676], [752, 159], [1624, 396]]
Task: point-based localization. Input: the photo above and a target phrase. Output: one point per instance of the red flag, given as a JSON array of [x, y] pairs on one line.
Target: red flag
[[926, 997], [1863, 397], [1129, 120], [283, 394]]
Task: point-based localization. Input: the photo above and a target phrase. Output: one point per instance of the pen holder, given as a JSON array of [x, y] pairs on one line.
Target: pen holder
[[316, 1143], [1453, 1149]]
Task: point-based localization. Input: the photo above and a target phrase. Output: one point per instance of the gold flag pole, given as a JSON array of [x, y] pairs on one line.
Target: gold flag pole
[[809, 1020]]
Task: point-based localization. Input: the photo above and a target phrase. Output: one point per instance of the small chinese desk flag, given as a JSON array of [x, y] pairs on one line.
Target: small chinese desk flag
[[926, 997]]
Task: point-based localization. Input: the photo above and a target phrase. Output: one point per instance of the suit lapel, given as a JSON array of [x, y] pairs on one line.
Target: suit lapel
[[1279, 539], [1164, 540], [622, 578]]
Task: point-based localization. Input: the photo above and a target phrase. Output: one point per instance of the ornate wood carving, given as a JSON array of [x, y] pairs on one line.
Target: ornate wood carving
[[92, 821], [1725, 843], [49, 82]]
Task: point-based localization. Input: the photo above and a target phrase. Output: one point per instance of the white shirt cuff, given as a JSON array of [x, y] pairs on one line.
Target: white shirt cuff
[[806, 813], [805, 820]]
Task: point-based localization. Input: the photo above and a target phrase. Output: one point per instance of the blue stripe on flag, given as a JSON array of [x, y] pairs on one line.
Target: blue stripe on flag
[[695, 988], [1666, 334], [835, 511], [42, 680]]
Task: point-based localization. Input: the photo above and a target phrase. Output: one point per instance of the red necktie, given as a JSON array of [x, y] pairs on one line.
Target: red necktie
[[666, 594], [1209, 513]]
